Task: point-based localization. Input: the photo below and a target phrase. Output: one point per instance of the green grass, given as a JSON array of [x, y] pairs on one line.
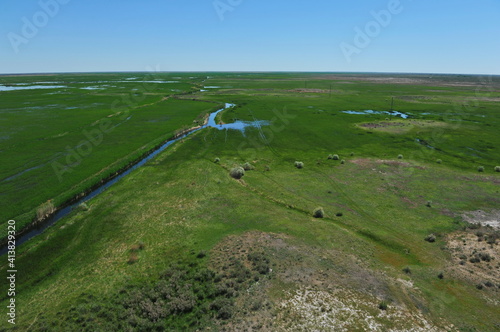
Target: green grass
[[95, 132], [183, 203]]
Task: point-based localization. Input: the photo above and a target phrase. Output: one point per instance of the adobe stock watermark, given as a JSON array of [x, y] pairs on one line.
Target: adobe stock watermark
[[372, 29], [30, 27], [224, 6], [96, 133]]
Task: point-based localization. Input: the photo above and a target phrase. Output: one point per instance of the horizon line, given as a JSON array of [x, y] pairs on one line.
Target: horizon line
[[244, 72]]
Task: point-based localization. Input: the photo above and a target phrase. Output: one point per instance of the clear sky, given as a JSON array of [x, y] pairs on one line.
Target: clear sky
[[428, 36]]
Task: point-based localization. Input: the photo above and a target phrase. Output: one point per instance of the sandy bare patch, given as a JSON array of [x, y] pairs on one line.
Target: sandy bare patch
[[484, 218], [313, 289], [309, 309], [475, 257]]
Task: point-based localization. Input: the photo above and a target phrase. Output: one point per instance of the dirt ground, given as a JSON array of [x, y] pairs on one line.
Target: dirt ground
[[312, 289], [476, 251]]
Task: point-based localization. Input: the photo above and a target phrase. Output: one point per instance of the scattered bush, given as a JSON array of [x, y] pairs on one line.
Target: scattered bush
[[352, 154], [339, 214], [497, 168], [428, 204], [342, 161], [441, 275], [480, 169], [201, 254], [475, 259], [247, 167], [318, 213], [439, 161], [485, 257], [383, 305], [330, 157], [430, 238], [489, 284], [217, 160], [237, 173], [479, 286], [493, 237], [407, 270], [475, 225], [400, 156], [45, 210], [336, 157], [299, 164]]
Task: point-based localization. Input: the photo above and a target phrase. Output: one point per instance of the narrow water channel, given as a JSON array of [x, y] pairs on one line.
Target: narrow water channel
[[238, 125]]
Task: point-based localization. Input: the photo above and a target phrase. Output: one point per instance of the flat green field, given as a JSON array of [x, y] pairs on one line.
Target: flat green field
[[409, 239]]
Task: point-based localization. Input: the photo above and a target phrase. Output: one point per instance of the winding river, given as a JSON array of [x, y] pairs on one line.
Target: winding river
[[237, 125]]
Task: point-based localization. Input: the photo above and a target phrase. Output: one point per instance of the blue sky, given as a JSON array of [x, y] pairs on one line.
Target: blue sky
[[428, 36]]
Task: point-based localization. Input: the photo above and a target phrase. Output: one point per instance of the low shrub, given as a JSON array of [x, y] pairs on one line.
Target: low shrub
[[336, 157], [497, 168], [330, 157], [237, 173], [217, 160], [480, 169], [45, 210], [407, 270], [441, 275], [439, 161], [428, 204], [339, 214], [400, 156], [430, 238], [299, 164], [318, 213], [247, 167], [383, 305], [342, 161]]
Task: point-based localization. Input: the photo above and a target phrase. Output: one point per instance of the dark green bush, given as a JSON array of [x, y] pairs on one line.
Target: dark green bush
[[237, 173], [318, 213], [299, 164], [480, 169], [497, 168], [217, 160], [400, 156], [247, 167], [430, 238], [383, 305]]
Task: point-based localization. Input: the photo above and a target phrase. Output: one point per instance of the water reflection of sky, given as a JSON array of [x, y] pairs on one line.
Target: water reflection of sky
[[395, 113], [237, 125]]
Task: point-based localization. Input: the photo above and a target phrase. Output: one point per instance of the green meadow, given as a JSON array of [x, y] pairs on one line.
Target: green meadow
[[399, 164]]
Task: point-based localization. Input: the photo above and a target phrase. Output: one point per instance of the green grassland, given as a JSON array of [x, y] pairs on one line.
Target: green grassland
[[70, 138], [180, 245]]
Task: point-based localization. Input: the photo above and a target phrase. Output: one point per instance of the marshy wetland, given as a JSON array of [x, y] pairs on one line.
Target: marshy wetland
[[407, 239]]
